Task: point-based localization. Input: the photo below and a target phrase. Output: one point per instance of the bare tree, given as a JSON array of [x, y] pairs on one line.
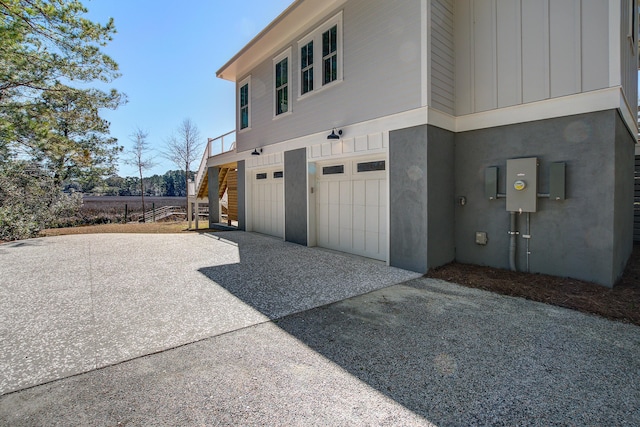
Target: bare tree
[[138, 156], [183, 148]]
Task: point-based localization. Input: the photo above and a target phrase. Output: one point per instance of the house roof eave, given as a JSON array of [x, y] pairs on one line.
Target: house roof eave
[[293, 20]]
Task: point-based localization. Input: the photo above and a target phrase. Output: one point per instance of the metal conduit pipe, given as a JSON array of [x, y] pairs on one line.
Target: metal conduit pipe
[[513, 234], [528, 237]]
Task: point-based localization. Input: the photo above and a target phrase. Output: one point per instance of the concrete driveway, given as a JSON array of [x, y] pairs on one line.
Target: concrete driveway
[[240, 329]]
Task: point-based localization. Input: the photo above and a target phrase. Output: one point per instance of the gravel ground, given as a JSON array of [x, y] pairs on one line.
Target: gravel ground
[[422, 352]]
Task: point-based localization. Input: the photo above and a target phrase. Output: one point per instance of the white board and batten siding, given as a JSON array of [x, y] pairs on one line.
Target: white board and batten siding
[[515, 52]]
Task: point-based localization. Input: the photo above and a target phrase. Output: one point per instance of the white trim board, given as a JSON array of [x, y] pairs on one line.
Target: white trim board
[[598, 100]]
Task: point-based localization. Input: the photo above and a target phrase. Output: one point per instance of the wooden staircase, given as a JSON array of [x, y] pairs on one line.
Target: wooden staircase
[[228, 182]]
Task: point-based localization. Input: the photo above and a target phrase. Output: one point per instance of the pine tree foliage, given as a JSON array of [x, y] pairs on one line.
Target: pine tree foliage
[[50, 55]]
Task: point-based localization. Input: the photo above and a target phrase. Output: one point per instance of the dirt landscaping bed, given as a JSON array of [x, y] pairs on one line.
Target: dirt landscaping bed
[[621, 303]]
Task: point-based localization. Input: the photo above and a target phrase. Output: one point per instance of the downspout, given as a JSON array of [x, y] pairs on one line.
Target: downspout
[[513, 233]]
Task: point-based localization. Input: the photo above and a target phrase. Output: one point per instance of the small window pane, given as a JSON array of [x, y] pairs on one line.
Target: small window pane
[[330, 41], [278, 174], [244, 118], [371, 166], [261, 176], [244, 95], [332, 170], [306, 55], [282, 101], [334, 39], [307, 80], [306, 68]]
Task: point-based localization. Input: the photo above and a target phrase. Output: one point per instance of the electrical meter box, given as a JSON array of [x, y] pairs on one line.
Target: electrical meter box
[[522, 185]]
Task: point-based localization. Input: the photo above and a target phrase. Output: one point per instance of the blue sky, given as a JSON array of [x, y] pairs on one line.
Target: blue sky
[[168, 53]]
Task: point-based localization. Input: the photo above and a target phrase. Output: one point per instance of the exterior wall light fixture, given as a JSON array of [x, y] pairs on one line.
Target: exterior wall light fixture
[[256, 152], [333, 134]]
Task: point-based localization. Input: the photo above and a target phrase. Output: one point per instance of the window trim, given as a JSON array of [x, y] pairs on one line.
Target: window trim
[[243, 83], [318, 62], [278, 59]]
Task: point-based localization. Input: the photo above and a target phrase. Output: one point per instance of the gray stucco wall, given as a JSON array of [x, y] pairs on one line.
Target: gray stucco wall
[[242, 195], [214, 202], [421, 198], [295, 196], [441, 202], [578, 237], [623, 215]]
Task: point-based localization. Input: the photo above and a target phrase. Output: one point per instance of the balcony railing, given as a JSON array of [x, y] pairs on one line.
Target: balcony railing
[[221, 144]]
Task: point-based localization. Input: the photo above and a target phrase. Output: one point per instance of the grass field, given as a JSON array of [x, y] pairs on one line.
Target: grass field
[[153, 227], [113, 208]]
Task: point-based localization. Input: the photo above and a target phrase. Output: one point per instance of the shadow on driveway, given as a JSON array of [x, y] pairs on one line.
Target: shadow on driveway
[[280, 278], [452, 355]]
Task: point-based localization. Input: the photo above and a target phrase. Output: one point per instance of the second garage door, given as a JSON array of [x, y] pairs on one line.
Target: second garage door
[[268, 202], [352, 207]]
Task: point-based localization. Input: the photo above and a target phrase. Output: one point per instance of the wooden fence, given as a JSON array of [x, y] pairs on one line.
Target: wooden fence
[[636, 203]]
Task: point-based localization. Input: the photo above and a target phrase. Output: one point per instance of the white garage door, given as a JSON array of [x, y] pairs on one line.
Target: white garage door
[[352, 207], [268, 202]]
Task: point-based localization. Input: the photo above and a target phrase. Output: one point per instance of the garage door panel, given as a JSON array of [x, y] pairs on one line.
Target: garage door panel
[[345, 236], [382, 219], [372, 242], [323, 193], [280, 193], [373, 193], [372, 223], [359, 192], [323, 216], [359, 240], [334, 236], [345, 192], [359, 217], [346, 216], [334, 193]]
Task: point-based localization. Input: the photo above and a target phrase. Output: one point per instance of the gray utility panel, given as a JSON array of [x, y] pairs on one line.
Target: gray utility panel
[[522, 185]]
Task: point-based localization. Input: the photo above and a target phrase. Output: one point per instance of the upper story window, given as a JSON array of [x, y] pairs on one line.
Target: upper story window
[[306, 68], [321, 49], [282, 92], [244, 103]]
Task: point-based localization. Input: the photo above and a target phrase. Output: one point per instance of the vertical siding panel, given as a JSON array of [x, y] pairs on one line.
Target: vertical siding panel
[[484, 38], [509, 53], [595, 45], [565, 38], [463, 56], [535, 50], [442, 56]]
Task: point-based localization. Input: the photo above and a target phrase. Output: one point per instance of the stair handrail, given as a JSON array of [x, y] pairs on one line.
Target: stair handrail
[[209, 152]]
